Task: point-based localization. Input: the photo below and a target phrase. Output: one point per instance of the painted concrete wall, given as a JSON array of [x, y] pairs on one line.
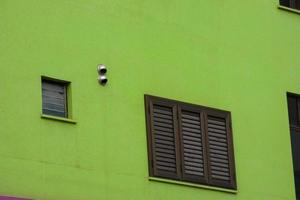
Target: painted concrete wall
[[240, 56]]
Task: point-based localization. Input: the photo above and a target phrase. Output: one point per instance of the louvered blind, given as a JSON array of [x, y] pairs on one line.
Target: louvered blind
[[192, 147], [218, 152], [164, 143], [54, 99]]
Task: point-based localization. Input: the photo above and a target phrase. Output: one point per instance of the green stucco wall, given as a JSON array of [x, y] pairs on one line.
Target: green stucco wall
[[241, 56]]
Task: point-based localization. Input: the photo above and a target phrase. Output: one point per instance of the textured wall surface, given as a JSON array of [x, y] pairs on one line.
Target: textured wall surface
[[241, 56]]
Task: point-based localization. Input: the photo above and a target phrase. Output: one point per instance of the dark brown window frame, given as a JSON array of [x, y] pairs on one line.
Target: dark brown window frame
[[177, 107], [294, 128], [293, 4]]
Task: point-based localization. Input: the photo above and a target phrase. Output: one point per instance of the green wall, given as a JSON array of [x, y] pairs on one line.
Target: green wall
[[241, 56]]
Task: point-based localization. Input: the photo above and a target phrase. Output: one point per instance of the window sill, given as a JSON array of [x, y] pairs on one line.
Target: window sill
[[58, 119], [192, 185], [289, 9]]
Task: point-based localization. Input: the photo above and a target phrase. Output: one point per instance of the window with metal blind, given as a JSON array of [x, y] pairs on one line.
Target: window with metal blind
[[295, 4], [189, 143], [54, 97], [294, 119]]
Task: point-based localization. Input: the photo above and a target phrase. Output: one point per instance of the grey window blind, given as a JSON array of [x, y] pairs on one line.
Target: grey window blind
[[54, 98]]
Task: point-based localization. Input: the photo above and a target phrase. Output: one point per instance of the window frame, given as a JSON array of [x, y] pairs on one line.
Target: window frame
[[66, 86], [204, 112], [291, 4], [294, 129]]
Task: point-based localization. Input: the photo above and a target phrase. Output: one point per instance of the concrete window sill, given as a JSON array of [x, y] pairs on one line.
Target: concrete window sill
[[58, 119], [289, 9], [193, 185]]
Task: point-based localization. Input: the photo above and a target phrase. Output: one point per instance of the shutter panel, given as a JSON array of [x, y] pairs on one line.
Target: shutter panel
[[192, 146], [220, 152], [164, 145], [54, 99]]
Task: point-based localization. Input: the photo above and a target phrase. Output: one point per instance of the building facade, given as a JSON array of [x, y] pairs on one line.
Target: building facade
[[240, 57]]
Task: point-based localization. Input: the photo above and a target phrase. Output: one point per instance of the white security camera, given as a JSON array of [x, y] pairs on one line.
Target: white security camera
[[101, 69], [102, 74]]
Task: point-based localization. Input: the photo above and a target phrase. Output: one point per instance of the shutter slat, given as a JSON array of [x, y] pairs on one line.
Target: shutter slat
[[196, 139], [223, 144], [195, 169], [217, 139], [216, 121], [191, 130], [196, 135], [224, 169], [194, 160], [161, 111], [191, 155], [192, 147], [161, 116], [165, 155], [217, 135], [190, 142], [163, 168], [163, 137], [191, 126], [163, 146], [213, 130], [189, 116], [190, 121], [158, 128], [194, 173], [161, 120], [165, 125], [212, 126], [163, 133], [193, 151], [194, 164], [224, 178]]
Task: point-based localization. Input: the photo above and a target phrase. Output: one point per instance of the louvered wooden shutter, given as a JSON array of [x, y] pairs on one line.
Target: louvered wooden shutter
[[54, 99], [220, 150], [193, 154], [163, 147], [189, 143]]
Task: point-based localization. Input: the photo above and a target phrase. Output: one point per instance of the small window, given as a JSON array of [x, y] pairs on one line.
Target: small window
[[295, 4], [189, 143], [294, 113], [54, 96]]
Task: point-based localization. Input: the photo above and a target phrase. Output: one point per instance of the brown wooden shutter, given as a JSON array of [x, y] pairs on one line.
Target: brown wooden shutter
[[220, 150], [163, 146], [192, 145]]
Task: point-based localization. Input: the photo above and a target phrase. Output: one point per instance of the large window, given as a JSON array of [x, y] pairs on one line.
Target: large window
[[54, 95], [295, 4], [189, 143], [294, 118]]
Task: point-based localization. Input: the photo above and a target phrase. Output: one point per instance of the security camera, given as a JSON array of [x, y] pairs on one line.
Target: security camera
[[102, 79], [102, 74], [101, 69]]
